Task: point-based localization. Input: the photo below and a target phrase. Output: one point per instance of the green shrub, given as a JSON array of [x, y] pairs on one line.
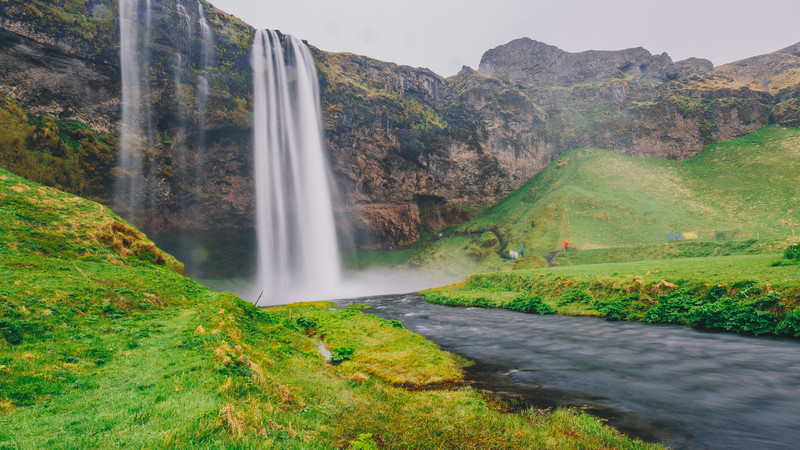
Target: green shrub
[[790, 256], [727, 314], [790, 326], [364, 442], [395, 323], [712, 315], [533, 304], [341, 354], [306, 323], [252, 311], [614, 309], [480, 302], [620, 308], [575, 296], [11, 331], [792, 252], [746, 319], [454, 300], [671, 309]]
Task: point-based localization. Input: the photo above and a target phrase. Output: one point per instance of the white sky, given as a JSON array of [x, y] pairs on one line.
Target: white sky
[[444, 35]]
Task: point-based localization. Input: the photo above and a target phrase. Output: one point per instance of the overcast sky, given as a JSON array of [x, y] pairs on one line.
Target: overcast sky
[[445, 35]]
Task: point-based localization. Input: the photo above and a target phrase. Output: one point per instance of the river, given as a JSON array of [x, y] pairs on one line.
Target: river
[[683, 387]]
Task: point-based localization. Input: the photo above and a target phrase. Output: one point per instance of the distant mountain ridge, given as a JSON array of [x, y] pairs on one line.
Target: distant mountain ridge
[[540, 64]]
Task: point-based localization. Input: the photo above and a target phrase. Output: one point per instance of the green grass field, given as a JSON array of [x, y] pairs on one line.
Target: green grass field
[[105, 344]]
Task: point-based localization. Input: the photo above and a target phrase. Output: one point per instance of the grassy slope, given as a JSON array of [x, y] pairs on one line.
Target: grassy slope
[[741, 189], [105, 344]]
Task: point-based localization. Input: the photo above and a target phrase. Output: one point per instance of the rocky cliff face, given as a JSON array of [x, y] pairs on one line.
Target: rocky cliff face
[[411, 151], [51, 72]]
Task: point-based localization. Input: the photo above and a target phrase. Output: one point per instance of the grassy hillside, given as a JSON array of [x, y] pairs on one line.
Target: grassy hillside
[[103, 343], [593, 198], [740, 190]]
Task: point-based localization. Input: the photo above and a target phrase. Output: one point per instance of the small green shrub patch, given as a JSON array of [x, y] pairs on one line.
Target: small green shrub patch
[[394, 323], [575, 296], [790, 326], [341, 354], [793, 252], [532, 304], [617, 308], [672, 308], [790, 256]]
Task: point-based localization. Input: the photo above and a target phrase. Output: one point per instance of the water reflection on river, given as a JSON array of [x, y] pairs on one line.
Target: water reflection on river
[[687, 388]]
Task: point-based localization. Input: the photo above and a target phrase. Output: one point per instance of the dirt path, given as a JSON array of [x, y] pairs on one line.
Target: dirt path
[[549, 257]]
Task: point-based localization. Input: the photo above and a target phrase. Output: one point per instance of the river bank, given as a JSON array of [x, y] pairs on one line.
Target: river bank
[[746, 294]]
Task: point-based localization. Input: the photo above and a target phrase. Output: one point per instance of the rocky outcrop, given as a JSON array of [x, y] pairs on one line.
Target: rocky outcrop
[[691, 67], [55, 77], [536, 63]]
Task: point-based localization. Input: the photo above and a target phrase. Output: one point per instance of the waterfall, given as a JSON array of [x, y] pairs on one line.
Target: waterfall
[[183, 42], [203, 91], [135, 23], [298, 255], [208, 37]]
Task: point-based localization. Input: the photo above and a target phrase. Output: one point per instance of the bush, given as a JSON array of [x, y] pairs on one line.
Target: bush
[[455, 300], [575, 296], [790, 326], [711, 316], [480, 302], [792, 252], [308, 324], [727, 314], [364, 442], [440, 298], [11, 331], [613, 309], [395, 323], [671, 309], [341, 354], [791, 256], [746, 319], [533, 304], [620, 308]]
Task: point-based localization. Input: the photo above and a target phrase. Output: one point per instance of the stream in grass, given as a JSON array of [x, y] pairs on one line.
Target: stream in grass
[[683, 387]]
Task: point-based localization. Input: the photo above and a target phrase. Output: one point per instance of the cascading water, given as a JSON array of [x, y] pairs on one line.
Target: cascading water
[[135, 23], [135, 189], [298, 254], [183, 41], [203, 92]]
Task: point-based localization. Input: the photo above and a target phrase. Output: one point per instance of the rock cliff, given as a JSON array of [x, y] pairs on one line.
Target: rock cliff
[[411, 151]]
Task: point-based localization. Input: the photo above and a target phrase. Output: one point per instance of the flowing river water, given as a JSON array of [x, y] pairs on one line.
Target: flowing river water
[[683, 387]]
